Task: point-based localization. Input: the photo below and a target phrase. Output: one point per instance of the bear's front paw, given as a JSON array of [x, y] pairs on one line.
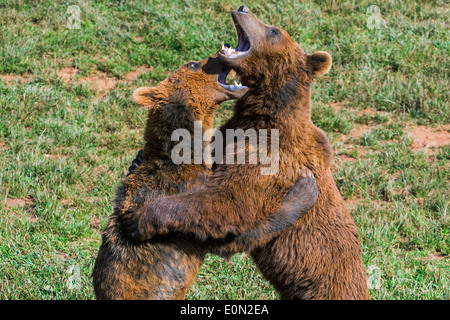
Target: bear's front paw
[[136, 163], [303, 194], [137, 225]]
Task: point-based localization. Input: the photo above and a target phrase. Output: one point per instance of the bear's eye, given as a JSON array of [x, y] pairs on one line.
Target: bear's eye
[[274, 31], [193, 66]]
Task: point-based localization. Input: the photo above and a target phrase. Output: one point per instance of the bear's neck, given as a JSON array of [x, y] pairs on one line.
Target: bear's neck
[[290, 113], [163, 122], [287, 100]]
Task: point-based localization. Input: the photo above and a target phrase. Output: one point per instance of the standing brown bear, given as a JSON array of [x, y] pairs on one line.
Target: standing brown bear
[[166, 266], [320, 256]]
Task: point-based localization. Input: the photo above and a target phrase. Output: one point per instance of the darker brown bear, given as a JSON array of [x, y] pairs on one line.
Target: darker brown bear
[[165, 267], [320, 257]]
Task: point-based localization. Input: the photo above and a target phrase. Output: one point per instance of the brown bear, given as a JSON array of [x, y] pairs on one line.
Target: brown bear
[[320, 256], [166, 266]]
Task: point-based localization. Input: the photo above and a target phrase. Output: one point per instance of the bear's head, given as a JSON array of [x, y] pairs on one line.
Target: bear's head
[[198, 86], [267, 57]]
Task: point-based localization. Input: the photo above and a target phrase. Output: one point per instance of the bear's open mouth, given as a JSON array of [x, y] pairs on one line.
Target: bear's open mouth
[[242, 47], [227, 51], [231, 87]]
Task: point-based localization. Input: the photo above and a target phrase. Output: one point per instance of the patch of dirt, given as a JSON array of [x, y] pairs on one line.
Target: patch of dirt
[[133, 75], [366, 112], [436, 256], [27, 201], [99, 81], [95, 223], [66, 202], [429, 138], [2, 145], [362, 151], [62, 256], [68, 74], [356, 133], [336, 106], [343, 144], [354, 203], [12, 78], [345, 158], [360, 131], [370, 112], [53, 156], [33, 217], [403, 193]]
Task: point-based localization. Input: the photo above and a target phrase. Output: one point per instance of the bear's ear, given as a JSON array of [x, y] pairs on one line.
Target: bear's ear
[[319, 62], [143, 96]]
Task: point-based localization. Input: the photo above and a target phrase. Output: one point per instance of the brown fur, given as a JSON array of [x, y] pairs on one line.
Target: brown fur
[[320, 257], [165, 267]]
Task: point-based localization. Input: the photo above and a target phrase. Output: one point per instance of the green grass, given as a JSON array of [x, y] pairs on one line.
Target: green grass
[[397, 196]]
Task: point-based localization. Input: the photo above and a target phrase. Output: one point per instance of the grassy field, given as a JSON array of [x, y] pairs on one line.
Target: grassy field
[[69, 130]]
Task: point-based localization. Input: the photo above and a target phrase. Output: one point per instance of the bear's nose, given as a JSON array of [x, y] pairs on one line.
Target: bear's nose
[[243, 9]]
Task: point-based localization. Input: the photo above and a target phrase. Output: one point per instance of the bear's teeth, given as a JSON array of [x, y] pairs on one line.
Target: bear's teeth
[[227, 49], [237, 84]]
